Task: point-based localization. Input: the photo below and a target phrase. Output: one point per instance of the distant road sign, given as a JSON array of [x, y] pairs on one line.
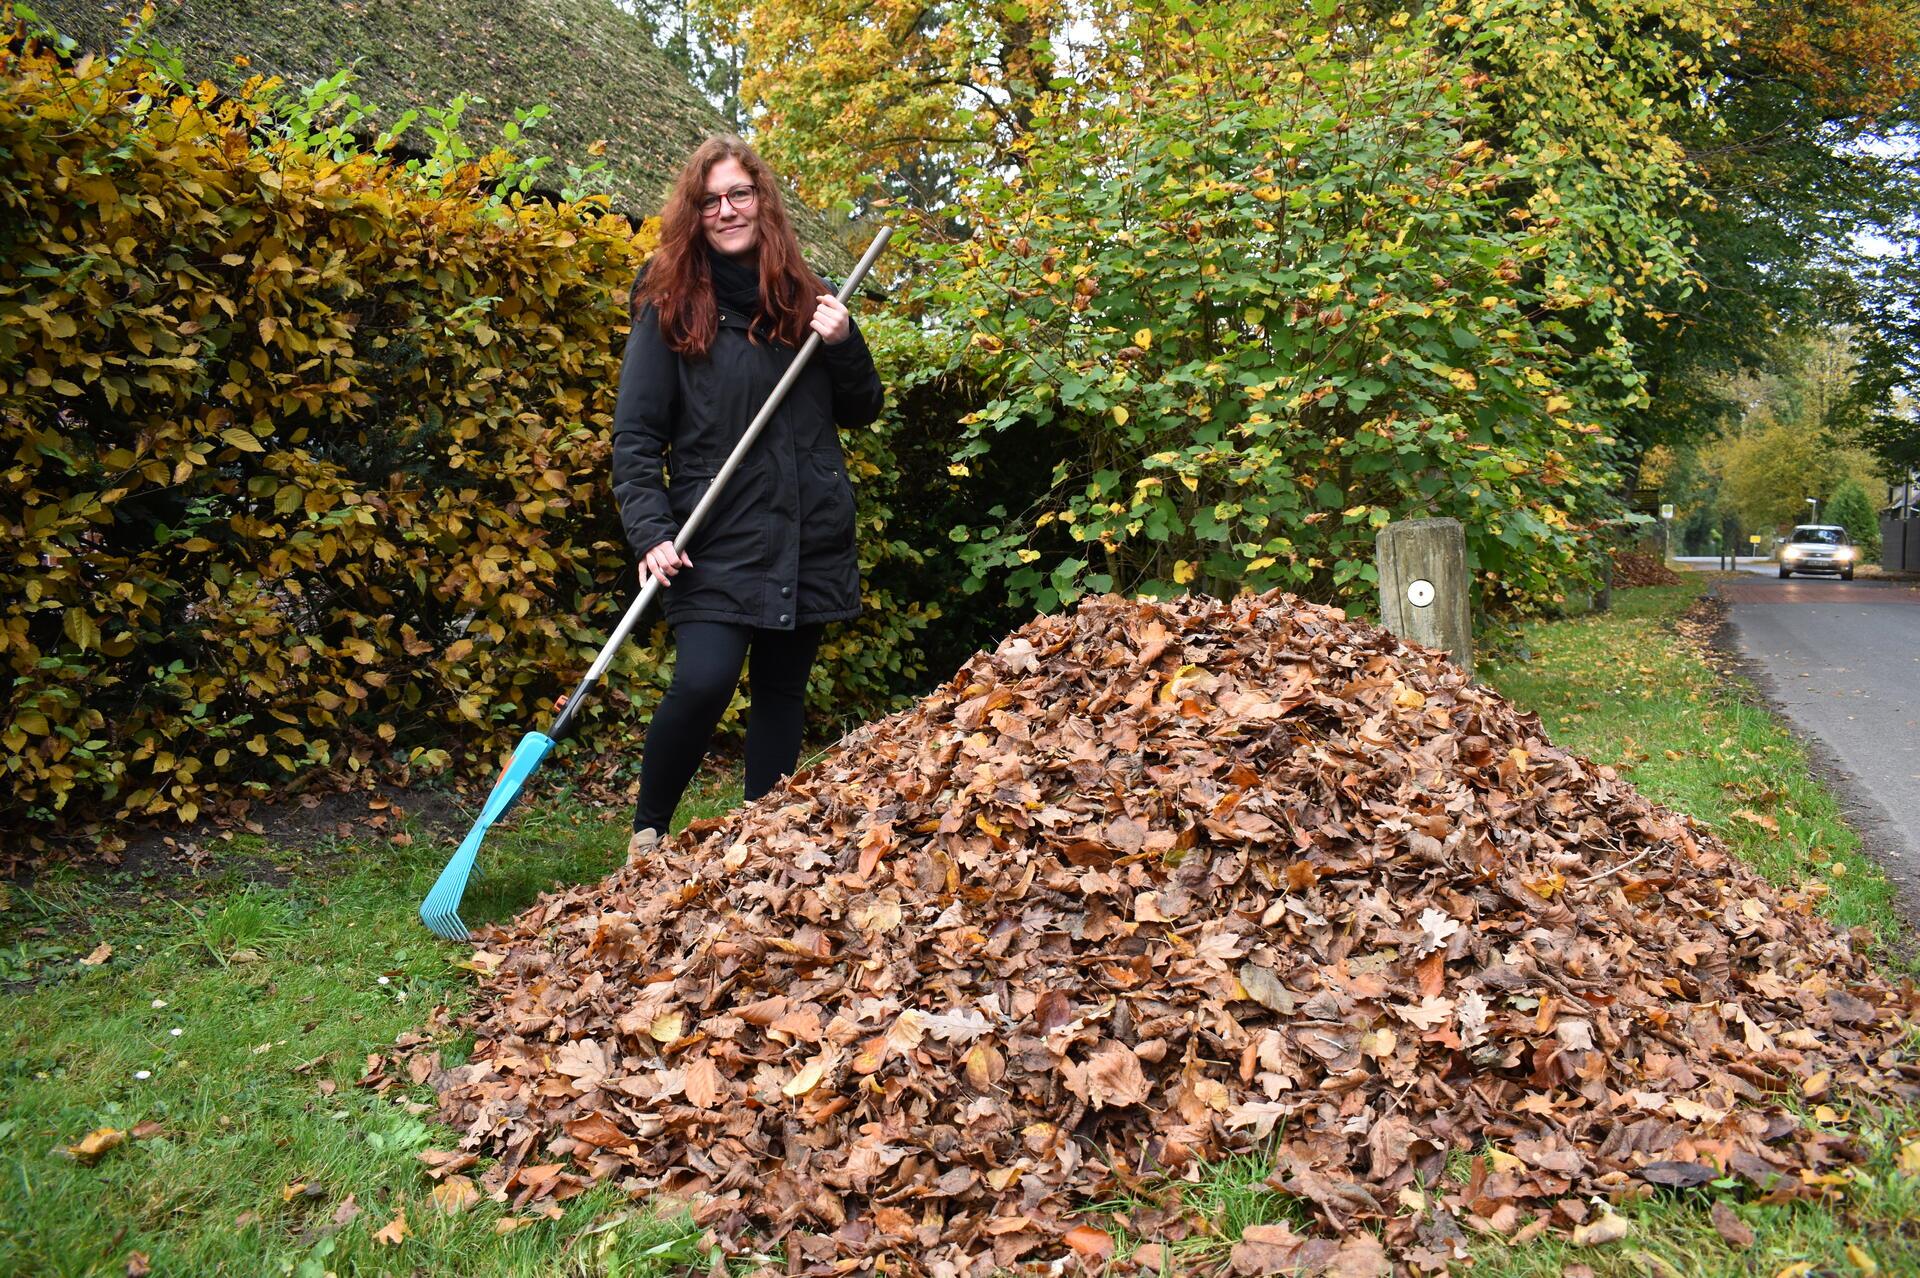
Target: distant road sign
[[1666, 510], [1755, 539]]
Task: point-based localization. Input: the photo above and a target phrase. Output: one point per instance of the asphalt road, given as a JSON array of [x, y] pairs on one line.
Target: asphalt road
[[1841, 659]]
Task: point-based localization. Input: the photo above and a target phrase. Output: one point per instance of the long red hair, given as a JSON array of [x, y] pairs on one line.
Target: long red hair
[[678, 281]]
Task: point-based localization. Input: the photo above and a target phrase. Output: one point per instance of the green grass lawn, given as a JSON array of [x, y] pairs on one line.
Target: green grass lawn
[[238, 1018], [231, 1023]]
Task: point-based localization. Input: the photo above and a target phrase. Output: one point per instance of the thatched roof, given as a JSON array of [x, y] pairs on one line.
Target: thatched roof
[[593, 65]]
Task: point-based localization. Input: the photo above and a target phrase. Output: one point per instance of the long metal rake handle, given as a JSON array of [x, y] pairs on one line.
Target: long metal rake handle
[[578, 697]]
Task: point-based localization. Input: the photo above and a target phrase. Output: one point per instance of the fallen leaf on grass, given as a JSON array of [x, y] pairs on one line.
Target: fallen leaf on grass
[[1757, 818], [454, 1195], [1607, 1228], [147, 1130], [1651, 1265], [1360, 1256], [347, 1212], [1677, 1175], [1737, 1233], [1861, 1260], [101, 953], [1089, 1243], [139, 1265], [90, 1147], [507, 1224], [444, 1162], [1265, 1249], [395, 1229]]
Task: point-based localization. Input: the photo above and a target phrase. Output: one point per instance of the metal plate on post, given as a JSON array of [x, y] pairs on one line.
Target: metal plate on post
[[1422, 566]]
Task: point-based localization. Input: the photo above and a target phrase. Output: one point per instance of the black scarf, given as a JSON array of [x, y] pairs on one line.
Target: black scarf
[[736, 283]]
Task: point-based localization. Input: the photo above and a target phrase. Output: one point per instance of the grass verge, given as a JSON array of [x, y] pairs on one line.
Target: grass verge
[[231, 1021], [259, 1155]]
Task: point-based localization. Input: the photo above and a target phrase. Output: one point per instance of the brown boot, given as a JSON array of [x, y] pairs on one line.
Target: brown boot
[[640, 847]]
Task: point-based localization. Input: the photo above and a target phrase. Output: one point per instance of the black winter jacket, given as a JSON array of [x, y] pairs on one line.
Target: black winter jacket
[[777, 549]]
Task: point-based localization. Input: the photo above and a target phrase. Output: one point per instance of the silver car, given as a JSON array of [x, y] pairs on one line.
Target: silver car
[[1819, 548]]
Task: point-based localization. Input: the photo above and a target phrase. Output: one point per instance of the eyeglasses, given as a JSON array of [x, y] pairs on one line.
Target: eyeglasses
[[740, 197]]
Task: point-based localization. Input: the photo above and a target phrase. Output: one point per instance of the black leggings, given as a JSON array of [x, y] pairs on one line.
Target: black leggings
[[708, 657]]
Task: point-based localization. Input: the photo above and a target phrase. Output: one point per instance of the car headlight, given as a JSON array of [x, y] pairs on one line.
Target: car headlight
[[1791, 552], [1845, 552]]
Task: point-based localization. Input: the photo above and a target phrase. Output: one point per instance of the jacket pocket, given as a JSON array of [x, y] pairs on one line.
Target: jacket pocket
[[830, 510]]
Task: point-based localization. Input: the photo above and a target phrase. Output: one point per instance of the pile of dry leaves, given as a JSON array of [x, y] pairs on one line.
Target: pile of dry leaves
[[1149, 885], [1642, 568]]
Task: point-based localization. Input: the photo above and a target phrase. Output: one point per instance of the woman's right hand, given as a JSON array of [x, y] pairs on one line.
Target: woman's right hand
[[663, 561]]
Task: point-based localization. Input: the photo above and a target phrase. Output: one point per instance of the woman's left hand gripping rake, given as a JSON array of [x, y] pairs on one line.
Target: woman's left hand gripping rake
[[441, 910]]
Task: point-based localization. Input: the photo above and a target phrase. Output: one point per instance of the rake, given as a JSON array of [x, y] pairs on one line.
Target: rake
[[441, 909]]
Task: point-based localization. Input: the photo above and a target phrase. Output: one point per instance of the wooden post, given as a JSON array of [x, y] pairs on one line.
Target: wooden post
[[1423, 585]]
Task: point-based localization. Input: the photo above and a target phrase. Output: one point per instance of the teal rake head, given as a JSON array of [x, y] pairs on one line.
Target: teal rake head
[[441, 910]]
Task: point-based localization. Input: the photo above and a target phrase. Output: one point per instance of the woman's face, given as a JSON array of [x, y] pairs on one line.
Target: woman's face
[[730, 229]]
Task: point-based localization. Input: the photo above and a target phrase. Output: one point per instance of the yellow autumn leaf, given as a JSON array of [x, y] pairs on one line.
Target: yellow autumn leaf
[[1120, 414], [96, 1142], [81, 629], [1757, 818], [454, 1195], [1143, 338], [668, 1027], [1601, 1230], [806, 1078], [1184, 572], [395, 1230], [244, 440], [1547, 885]]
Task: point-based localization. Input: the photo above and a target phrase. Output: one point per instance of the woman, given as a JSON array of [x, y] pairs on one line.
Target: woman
[[719, 312]]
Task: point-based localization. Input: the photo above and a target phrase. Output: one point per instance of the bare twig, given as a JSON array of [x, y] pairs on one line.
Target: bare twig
[[1616, 869]]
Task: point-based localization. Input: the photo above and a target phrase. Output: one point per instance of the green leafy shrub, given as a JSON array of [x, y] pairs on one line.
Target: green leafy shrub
[[1279, 281], [1849, 507]]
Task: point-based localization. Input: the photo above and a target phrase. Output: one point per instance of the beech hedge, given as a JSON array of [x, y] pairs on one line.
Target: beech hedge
[[305, 452]]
